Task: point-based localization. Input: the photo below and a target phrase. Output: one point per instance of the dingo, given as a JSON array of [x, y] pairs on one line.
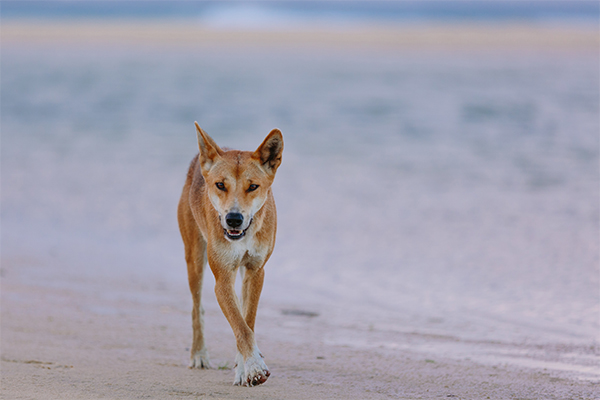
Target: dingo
[[227, 215]]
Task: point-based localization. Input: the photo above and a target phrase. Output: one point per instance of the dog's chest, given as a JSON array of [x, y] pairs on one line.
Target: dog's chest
[[245, 252]]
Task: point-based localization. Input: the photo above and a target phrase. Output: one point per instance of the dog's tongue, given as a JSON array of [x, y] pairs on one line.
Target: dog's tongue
[[233, 232]]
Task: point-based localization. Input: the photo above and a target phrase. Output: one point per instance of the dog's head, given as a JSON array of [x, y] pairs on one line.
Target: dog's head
[[238, 182]]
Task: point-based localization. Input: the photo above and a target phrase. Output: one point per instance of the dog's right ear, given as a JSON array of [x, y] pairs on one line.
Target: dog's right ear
[[209, 150]]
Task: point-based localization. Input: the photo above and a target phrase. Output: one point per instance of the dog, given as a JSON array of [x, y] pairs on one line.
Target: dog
[[227, 217]]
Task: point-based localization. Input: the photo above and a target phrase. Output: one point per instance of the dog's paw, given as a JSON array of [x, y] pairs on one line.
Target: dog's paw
[[239, 370], [256, 371], [200, 360]]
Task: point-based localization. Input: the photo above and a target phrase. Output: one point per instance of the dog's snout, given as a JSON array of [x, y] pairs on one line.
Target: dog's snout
[[234, 220]]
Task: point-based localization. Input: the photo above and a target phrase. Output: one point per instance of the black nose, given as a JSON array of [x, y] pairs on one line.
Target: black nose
[[234, 219]]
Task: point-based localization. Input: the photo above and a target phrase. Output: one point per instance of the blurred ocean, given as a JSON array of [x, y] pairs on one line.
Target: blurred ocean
[[446, 194], [293, 13]]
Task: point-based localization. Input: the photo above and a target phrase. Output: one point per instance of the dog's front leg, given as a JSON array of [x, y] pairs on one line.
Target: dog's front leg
[[251, 370], [251, 288], [255, 369]]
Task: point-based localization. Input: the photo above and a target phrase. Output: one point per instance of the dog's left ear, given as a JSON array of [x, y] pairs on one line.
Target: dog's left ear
[[269, 152]]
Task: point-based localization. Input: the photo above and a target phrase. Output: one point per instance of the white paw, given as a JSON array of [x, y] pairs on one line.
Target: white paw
[[200, 360], [254, 371], [239, 370]]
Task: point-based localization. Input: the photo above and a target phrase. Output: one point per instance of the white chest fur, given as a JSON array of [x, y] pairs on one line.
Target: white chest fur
[[245, 251]]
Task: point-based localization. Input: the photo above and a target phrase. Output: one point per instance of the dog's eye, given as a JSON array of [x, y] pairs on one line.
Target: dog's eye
[[252, 188], [220, 186]]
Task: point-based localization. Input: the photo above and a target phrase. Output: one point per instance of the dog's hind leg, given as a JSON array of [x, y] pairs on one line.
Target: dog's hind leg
[[195, 257], [195, 254]]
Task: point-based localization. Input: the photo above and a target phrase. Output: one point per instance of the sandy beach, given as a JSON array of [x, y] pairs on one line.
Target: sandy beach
[[61, 344], [442, 36], [483, 285]]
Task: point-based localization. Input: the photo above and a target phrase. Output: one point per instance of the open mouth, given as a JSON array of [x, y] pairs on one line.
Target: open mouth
[[235, 234]]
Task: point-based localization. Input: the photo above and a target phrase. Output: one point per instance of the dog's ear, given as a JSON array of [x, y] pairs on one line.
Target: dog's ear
[[209, 150], [269, 152]]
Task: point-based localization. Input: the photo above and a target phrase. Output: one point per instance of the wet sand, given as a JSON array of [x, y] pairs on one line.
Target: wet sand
[[75, 344]]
